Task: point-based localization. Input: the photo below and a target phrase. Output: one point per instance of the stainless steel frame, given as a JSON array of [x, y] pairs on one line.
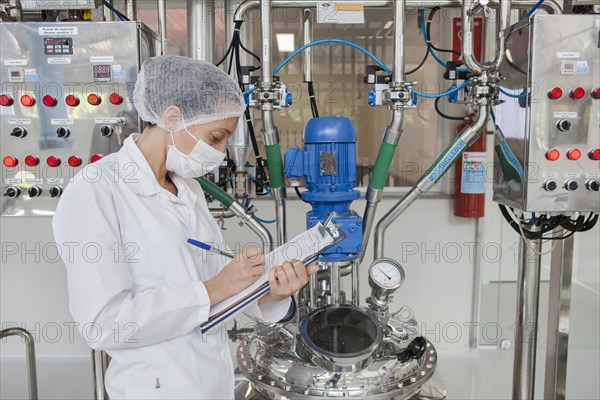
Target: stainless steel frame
[[559, 313], [528, 296], [30, 358]]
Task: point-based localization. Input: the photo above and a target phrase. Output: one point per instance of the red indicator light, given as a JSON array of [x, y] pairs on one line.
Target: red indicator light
[[27, 100], [574, 154], [95, 157], [552, 155], [74, 161], [596, 93], [49, 101], [72, 100], [32, 161], [577, 93], [94, 99], [594, 154], [555, 93], [10, 161], [53, 161], [6, 100], [115, 99]]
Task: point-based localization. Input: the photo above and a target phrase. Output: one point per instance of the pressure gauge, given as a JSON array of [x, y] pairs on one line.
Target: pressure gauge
[[385, 276]]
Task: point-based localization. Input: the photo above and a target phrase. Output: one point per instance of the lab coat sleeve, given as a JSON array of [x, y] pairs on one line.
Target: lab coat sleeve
[[270, 312], [109, 315]]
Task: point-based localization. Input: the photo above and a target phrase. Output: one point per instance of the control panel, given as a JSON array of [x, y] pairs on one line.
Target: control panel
[[65, 101], [553, 125]]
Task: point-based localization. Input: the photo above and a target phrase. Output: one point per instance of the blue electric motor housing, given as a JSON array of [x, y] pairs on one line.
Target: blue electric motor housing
[[328, 165]]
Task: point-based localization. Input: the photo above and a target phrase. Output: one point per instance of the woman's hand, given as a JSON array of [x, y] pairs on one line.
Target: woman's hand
[[241, 272], [287, 279]]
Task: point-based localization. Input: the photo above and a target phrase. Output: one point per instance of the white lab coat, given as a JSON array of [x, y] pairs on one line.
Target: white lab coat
[[135, 285]]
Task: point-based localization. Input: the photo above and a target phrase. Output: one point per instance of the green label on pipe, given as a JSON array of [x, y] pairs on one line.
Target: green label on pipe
[[275, 166], [215, 191], [382, 165], [446, 160]]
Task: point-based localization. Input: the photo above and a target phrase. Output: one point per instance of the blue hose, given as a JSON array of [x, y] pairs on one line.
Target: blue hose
[[532, 10], [114, 10], [264, 221], [424, 29], [446, 93], [514, 96], [321, 41]]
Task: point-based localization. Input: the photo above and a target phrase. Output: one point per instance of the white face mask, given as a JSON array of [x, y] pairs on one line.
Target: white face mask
[[202, 160]]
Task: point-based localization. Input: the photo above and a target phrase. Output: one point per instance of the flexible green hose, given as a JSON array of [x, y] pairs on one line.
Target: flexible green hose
[[275, 161], [215, 191], [382, 165]]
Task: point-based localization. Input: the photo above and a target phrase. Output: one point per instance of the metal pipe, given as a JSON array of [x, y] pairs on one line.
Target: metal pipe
[[399, 17], [108, 14], [312, 287], [433, 174], [221, 213], [559, 315], [162, 24], [355, 284], [476, 297], [30, 357], [550, 6], [468, 16], [307, 54], [99, 365], [131, 9], [528, 297], [265, 35], [257, 227], [334, 282], [201, 29]]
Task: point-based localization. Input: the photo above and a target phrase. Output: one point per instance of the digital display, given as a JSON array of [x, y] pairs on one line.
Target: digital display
[[102, 73]]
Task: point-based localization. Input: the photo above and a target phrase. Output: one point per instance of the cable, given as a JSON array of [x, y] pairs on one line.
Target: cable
[[428, 43], [532, 10], [313, 101], [299, 194], [322, 41], [446, 93], [428, 30], [122, 17], [441, 114], [415, 69]]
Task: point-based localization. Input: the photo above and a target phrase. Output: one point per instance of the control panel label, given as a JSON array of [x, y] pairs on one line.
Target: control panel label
[[19, 121], [572, 175], [565, 114], [595, 175], [55, 181], [31, 75], [107, 120], [12, 181], [568, 54], [34, 180], [59, 60], [57, 30], [15, 63], [102, 59], [62, 121], [549, 175]]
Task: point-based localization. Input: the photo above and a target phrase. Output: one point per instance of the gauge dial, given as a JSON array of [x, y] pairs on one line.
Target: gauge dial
[[386, 273]]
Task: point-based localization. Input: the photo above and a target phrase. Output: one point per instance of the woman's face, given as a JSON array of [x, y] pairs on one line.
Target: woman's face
[[214, 133]]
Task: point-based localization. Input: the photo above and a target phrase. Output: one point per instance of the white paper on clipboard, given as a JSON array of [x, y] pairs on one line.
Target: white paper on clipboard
[[301, 247]]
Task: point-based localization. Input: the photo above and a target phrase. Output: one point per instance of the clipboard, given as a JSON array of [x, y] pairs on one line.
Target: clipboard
[[329, 228]]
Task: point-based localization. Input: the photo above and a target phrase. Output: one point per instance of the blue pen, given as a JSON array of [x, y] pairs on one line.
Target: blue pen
[[208, 248]]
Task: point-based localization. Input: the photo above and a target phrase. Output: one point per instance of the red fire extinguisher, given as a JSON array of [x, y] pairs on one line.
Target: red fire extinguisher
[[470, 178]]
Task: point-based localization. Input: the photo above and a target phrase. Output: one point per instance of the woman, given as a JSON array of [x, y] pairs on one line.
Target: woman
[[136, 289]]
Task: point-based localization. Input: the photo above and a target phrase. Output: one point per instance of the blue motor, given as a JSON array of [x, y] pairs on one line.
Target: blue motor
[[328, 164]]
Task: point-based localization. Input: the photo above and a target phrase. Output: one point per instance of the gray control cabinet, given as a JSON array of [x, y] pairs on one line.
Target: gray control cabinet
[[554, 132], [65, 97]]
